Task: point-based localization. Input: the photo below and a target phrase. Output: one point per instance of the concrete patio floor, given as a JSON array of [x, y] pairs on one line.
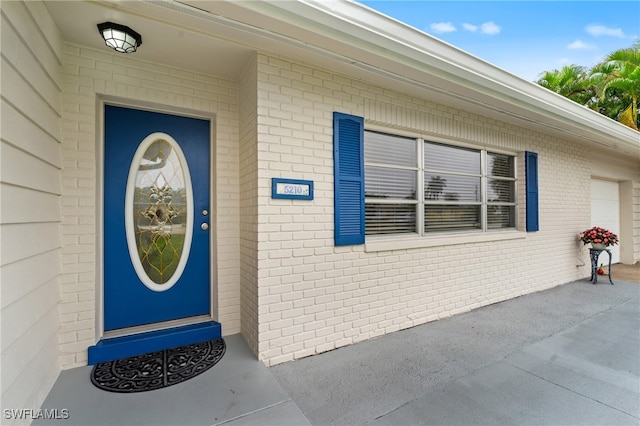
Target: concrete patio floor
[[238, 388], [569, 355], [565, 356]]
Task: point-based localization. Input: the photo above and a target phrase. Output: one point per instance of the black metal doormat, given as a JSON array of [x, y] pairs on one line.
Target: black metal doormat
[[157, 370]]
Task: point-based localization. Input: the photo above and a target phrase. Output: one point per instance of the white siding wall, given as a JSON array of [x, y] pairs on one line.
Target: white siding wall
[[30, 210], [88, 73], [314, 296]]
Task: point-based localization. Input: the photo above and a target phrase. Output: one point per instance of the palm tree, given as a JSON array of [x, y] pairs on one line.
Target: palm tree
[[570, 82], [598, 78], [623, 83], [611, 87]]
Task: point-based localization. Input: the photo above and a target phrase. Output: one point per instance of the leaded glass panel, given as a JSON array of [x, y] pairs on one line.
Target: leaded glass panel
[[159, 210]]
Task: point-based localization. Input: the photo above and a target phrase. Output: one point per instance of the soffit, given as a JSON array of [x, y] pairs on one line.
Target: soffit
[[168, 36], [382, 50], [218, 37]]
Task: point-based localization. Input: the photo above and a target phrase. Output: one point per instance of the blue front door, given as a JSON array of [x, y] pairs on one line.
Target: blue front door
[[156, 217]]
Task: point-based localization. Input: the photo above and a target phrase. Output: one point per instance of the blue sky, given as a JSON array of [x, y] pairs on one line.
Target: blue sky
[[524, 37]]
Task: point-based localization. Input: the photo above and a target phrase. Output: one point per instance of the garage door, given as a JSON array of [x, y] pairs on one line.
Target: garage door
[[605, 211]]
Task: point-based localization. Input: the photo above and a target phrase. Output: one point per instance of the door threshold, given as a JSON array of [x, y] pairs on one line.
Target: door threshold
[[110, 334], [109, 349]]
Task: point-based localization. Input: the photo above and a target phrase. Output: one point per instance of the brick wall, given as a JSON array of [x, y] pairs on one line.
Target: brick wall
[[281, 281], [249, 205], [316, 297], [87, 74]]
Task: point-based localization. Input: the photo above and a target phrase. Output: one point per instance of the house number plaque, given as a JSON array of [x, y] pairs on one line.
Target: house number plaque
[[292, 189]]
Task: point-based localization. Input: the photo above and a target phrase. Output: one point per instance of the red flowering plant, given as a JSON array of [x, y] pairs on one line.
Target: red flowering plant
[[598, 235]]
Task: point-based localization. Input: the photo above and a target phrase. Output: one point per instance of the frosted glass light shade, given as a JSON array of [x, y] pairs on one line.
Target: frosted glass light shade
[[119, 37]]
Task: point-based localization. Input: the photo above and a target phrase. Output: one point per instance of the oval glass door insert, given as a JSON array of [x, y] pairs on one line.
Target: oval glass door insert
[[159, 206]]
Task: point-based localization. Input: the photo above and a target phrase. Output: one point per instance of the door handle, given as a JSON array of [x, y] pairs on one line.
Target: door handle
[[204, 226]]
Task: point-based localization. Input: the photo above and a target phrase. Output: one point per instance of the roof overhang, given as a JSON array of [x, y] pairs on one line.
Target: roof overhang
[[350, 38]]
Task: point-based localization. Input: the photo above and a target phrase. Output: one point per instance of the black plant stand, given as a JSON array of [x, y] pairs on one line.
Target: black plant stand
[[595, 254]]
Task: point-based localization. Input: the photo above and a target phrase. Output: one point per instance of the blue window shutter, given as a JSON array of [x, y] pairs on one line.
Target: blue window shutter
[[348, 169], [531, 171]]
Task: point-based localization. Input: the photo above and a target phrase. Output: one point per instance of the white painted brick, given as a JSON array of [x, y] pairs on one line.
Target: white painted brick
[[363, 295], [87, 72], [285, 274]]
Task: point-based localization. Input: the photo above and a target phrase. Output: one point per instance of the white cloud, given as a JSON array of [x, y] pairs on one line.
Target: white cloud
[[442, 27], [489, 28], [581, 45], [470, 27], [601, 30]]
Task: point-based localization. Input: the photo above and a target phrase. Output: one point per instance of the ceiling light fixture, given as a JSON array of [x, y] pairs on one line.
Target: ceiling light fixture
[[119, 37]]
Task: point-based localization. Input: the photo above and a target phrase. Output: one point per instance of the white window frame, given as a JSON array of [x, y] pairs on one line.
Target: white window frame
[[425, 239]]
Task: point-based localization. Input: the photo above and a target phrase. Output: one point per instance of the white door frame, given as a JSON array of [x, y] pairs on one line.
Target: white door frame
[[101, 101]]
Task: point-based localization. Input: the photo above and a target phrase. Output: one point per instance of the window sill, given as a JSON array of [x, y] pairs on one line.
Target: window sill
[[399, 243]]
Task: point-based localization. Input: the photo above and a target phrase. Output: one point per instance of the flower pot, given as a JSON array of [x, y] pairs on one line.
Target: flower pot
[[599, 246]]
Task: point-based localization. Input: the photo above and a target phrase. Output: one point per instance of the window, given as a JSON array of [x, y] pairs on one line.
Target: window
[[418, 186], [391, 176]]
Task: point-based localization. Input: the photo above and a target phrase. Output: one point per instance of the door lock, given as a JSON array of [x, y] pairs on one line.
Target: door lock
[[204, 226]]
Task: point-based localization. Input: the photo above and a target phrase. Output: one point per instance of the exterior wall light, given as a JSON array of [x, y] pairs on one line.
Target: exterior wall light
[[119, 37]]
